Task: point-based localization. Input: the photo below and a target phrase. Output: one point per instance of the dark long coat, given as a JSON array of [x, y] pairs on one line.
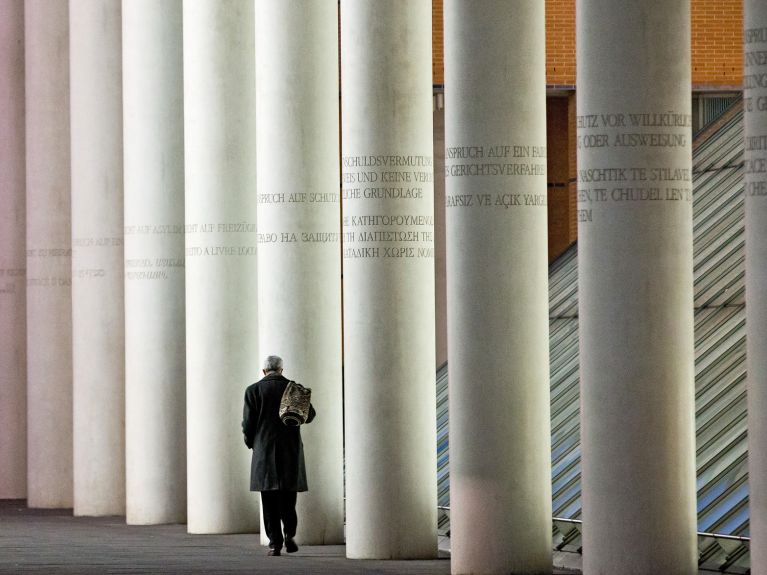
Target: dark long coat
[[278, 452]]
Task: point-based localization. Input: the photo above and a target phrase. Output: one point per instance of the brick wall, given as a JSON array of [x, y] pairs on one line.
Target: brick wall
[[717, 42], [437, 30], [560, 42], [717, 49]]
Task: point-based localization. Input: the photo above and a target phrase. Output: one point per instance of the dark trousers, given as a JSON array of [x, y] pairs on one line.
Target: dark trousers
[[279, 508]]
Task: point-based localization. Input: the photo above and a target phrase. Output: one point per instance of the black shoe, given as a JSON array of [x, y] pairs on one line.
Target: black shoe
[[290, 545], [271, 545], [274, 553]]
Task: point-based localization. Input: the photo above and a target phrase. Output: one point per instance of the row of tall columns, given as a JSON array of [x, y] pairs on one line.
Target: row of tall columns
[[755, 112], [98, 328], [13, 344], [49, 256], [299, 268], [388, 258], [635, 258], [636, 287], [155, 360], [221, 266], [497, 278]]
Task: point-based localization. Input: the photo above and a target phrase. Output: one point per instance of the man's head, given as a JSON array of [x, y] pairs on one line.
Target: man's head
[[272, 365]]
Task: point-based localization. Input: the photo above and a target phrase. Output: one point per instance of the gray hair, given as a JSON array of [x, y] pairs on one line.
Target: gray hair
[[273, 363]]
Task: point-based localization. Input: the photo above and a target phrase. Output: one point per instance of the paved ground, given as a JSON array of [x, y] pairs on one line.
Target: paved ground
[[52, 542], [44, 542]]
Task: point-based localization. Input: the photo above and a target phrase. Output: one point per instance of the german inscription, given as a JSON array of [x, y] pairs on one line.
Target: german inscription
[[755, 106], [608, 132]]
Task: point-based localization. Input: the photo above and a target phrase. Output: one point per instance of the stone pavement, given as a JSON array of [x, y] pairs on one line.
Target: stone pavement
[[52, 541], [43, 542]]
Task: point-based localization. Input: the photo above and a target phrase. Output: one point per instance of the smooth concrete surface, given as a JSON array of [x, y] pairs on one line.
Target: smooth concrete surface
[[497, 287], [13, 369], [440, 240], [155, 361], [98, 327], [221, 280], [299, 217], [636, 287], [388, 265], [49, 256], [755, 125]]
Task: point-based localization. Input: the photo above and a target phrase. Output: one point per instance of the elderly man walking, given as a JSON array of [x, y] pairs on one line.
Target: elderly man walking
[[277, 468]]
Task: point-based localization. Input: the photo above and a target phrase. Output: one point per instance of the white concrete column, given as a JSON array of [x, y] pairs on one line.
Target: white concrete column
[[755, 105], [13, 339], [636, 287], [299, 211], [388, 258], [221, 281], [155, 366], [49, 256], [497, 287], [98, 328]]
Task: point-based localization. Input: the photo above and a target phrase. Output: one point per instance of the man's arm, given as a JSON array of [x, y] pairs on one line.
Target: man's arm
[[311, 415], [249, 418]]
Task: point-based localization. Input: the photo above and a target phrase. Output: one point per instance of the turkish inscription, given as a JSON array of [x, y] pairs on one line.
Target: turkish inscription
[[755, 102], [499, 160], [632, 130], [406, 181]]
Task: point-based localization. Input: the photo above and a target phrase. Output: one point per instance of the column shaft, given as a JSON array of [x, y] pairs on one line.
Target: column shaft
[[13, 344], [49, 256], [498, 330], [636, 287], [155, 364], [755, 94], [388, 227], [221, 281], [299, 262], [98, 332]]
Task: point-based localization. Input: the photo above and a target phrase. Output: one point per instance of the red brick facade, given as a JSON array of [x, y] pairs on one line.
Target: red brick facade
[[717, 48]]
